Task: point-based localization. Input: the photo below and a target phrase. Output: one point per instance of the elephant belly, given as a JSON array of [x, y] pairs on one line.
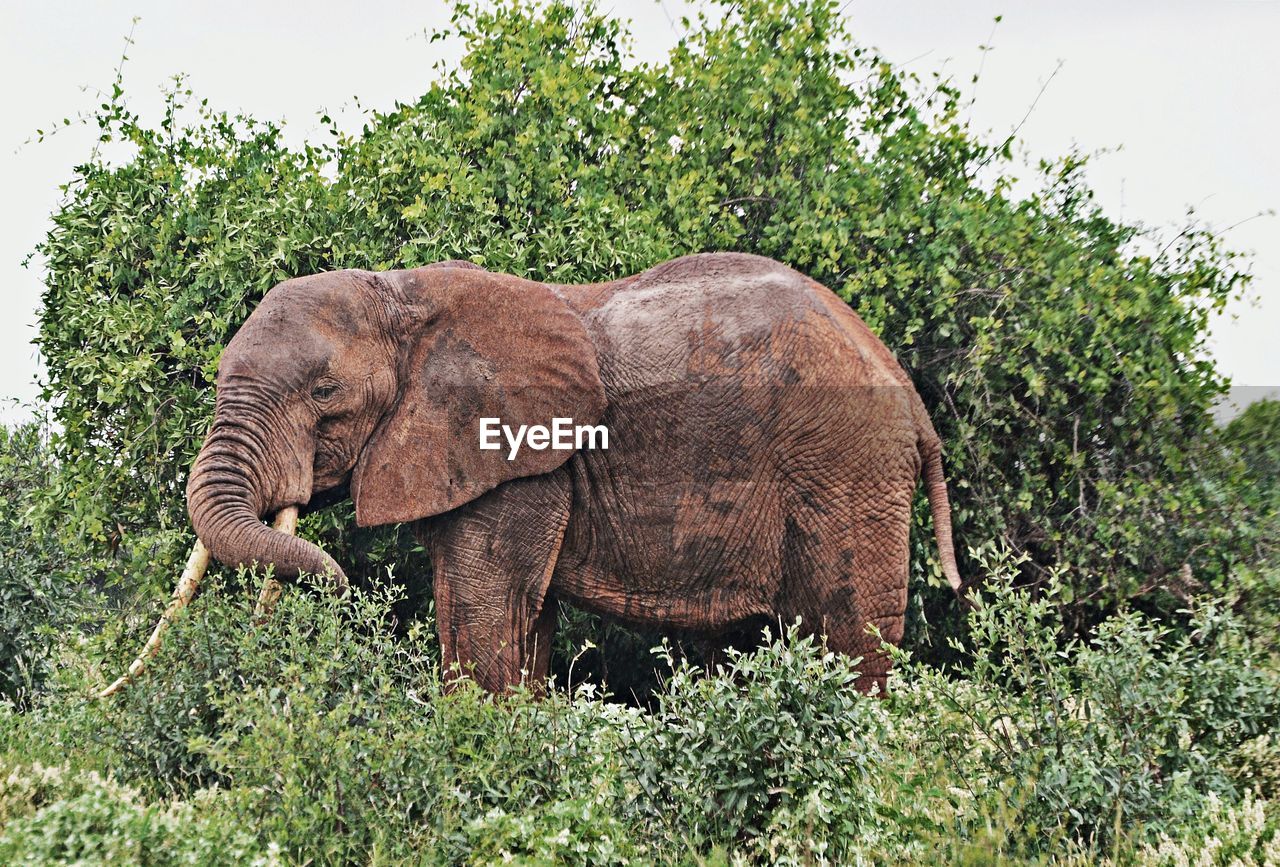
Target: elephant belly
[[755, 427], [675, 524], [670, 592]]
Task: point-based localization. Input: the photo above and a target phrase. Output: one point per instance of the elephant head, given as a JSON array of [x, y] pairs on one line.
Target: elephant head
[[378, 381], [375, 382]]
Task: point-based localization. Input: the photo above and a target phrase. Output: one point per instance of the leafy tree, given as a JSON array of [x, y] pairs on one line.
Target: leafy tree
[[1061, 353], [36, 596], [1254, 437], [1255, 434]]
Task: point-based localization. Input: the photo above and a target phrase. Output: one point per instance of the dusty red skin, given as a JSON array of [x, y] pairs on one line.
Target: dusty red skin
[[764, 449]]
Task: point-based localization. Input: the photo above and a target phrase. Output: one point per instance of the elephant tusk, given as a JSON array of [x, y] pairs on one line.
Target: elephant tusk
[[197, 563], [286, 521]]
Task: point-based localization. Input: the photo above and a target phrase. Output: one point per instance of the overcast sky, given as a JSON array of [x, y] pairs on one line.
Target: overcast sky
[[1187, 90]]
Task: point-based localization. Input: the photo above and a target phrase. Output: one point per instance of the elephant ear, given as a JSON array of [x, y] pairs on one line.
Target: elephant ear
[[474, 345]]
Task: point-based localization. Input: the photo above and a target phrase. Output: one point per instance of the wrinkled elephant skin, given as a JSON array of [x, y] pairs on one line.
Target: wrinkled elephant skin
[[764, 448]]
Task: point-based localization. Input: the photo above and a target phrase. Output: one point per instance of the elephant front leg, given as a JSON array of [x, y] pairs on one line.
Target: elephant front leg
[[493, 562]]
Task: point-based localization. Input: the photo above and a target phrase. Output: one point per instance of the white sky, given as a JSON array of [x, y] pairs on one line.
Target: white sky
[[1189, 91]]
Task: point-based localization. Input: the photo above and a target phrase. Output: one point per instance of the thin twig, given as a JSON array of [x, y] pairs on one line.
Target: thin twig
[[1018, 128], [119, 79]]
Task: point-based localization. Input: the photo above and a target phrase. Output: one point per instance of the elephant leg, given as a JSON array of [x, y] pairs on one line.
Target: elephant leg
[[493, 562], [848, 574], [878, 602]]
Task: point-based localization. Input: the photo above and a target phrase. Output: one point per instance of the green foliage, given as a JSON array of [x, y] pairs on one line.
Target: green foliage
[[161, 726], [1060, 353], [1255, 766], [777, 743], [1243, 835], [1255, 433], [1119, 735], [1254, 437], [53, 815], [323, 736], [37, 593]]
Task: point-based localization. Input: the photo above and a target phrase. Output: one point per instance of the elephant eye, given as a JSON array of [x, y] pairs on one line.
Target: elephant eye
[[324, 392]]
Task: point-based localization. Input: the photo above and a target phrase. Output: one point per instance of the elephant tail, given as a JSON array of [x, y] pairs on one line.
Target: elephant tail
[[935, 484]]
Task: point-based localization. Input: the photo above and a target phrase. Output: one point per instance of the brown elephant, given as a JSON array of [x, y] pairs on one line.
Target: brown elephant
[[763, 450]]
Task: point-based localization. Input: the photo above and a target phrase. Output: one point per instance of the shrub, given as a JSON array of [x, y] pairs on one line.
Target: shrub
[[324, 734], [1120, 735], [329, 732], [774, 754], [391, 767], [38, 594], [1255, 435], [1255, 766], [1241, 835], [163, 722], [1058, 351], [1254, 588], [53, 815]]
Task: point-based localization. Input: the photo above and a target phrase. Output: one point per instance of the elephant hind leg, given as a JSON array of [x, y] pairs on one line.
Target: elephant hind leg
[[845, 574]]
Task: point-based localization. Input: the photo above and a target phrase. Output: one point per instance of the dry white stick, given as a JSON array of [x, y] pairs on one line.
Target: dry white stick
[[197, 563], [286, 521]]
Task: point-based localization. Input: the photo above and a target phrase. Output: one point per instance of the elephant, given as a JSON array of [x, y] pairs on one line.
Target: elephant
[[763, 451]]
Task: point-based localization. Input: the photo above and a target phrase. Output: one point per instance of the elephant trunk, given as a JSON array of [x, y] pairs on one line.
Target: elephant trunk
[[227, 497]]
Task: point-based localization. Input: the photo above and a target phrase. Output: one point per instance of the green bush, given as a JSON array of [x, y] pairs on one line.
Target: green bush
[[328, 729], [777, 743], [324, 736], [1060, 353], [381, 763], [1242, 835], [38, 593], [161, 725], [53, 815], [1254, 436], [1117, 736], [1255, 766]]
